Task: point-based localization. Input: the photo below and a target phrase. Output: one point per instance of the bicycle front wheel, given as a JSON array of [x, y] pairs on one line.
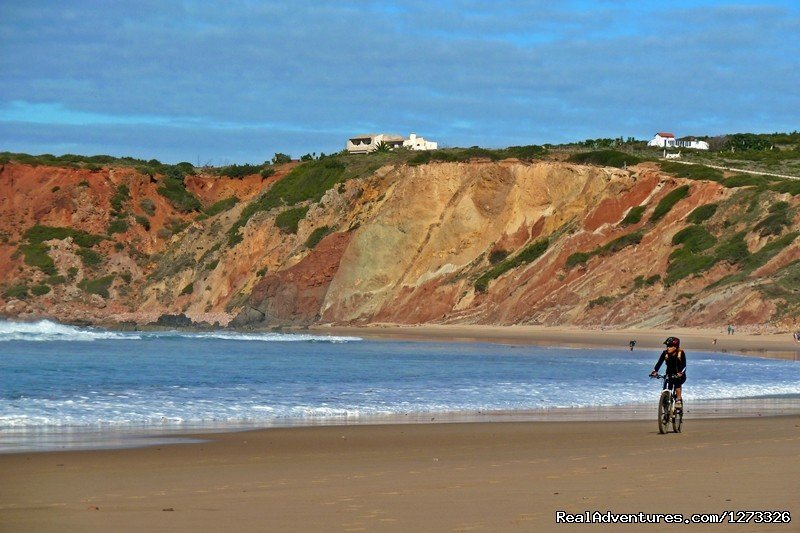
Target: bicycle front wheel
[[677, 421], [663, 412]]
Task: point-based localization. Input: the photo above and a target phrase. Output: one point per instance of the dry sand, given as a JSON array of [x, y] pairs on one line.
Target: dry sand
[[419, 477]]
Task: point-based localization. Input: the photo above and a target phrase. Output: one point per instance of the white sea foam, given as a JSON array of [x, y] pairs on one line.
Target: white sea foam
[[268, 337], [48, 331], [266, 405]]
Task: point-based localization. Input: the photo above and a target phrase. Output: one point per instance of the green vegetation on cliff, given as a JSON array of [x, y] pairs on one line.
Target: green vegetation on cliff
[[634, 216], [783, 290], [89, 257], [19, 291], [97, 286], [121, 195], [687, 260], [629, 239], [220, 206], [694, 238], [118, 225], [702, 213], [288, 220], [668, 202], [778, 218], [528, 254], [317, 235], [148, 206], [39, 233], [173, 189], [37, 253], [308, 181], [40, 289], [702, 247]]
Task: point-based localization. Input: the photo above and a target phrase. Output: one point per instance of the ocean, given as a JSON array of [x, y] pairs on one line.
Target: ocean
[[69, 387]]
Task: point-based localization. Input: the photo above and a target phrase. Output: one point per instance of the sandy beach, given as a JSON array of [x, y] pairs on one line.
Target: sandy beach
[[418, 477], [477, 476], [748, 342]]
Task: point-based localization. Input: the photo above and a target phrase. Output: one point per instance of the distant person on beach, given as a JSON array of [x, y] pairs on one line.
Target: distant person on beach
[[730, 329], [676, 366], [796, 336], [632, 344]]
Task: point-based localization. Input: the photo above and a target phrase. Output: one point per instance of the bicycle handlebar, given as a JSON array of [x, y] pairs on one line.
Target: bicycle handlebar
[[659, 376]]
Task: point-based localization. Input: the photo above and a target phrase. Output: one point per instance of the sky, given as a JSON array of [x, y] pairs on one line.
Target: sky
[[213, 82]]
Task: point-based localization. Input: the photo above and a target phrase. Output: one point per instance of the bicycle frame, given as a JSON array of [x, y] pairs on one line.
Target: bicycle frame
[[670, 413], [669, 384]]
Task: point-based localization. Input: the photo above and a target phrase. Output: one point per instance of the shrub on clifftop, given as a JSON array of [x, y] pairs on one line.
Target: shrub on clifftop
[[606, 158]]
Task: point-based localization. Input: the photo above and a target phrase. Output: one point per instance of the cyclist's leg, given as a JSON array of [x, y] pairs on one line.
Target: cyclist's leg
[[679, 389]]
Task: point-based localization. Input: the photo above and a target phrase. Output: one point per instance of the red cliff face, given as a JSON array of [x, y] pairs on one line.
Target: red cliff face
[[443, 243], [81, 199], [295, 295]]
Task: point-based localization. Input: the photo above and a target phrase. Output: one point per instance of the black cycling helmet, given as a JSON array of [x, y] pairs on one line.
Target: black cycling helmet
[[672, 341]]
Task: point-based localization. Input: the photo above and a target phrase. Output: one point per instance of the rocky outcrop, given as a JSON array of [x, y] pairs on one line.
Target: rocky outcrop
[[174, 321]]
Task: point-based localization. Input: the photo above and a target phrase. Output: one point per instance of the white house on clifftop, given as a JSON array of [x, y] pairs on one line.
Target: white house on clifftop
[[663, 140], [668, 140], [369, 142]]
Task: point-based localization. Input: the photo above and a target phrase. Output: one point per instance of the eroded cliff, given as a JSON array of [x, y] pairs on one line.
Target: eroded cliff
[[504, 242]]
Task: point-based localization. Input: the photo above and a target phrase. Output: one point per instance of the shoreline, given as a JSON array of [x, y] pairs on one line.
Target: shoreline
[[745, 341], [432, 477], [768, 345], [90, 438]]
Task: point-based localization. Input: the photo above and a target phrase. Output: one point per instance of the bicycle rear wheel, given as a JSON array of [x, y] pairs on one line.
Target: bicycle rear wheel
[[663, 412]]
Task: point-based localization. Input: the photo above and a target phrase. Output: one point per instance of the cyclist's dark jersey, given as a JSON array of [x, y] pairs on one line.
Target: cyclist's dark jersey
[[675, 364]]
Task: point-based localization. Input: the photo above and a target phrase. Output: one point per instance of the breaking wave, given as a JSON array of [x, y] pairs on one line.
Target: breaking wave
[[48, 331]]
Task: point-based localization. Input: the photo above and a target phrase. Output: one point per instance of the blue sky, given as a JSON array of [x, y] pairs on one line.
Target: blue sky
[[236, 81]]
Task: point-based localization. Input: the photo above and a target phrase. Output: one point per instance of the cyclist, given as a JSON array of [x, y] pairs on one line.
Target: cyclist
[[676, 366]]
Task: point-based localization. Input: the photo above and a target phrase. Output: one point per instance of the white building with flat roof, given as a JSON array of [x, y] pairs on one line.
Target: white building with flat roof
[[668, 140], [691, 142], [418, 143], [369, 142]]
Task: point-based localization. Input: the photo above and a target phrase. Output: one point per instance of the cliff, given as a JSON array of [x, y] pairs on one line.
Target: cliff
[[479, 241]]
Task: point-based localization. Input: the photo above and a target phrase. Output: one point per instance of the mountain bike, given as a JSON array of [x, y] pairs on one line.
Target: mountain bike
[[667, 413]]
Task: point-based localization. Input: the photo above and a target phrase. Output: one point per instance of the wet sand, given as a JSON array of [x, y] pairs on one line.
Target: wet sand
[[502, 476], [755, 343]]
